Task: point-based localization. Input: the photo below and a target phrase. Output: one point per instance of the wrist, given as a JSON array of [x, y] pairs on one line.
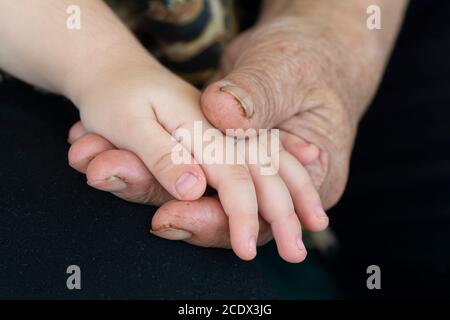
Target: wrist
[[94, 69]]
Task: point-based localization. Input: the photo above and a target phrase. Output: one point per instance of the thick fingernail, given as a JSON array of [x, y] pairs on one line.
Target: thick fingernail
[[112, 184], [242, 97], [172, 234], [320, 213], [185, 183]]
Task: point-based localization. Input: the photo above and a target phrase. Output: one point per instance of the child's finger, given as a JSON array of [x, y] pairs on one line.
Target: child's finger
[[306, 199], [76, 132], [233, 182], [238, 197], [86, 148], [235, 189], [299, 148], [276, 207], [156, 147]]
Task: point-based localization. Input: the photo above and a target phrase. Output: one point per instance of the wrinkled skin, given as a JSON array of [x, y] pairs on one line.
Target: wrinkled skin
[[310, 77]]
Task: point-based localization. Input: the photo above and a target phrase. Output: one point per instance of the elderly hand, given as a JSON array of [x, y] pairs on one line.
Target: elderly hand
[[306, 68]]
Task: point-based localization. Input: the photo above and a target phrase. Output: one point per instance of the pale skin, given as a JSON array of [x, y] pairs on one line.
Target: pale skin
[[327, 97], [124, 95], [347, 61]]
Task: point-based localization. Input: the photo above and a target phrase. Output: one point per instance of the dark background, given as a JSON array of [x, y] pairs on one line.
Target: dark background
[[395, 212]]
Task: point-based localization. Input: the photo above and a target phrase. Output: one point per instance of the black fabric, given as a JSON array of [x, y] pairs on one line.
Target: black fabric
[[50, 219], [396, 210]]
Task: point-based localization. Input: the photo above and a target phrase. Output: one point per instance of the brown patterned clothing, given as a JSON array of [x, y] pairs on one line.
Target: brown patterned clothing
[[187, 36]]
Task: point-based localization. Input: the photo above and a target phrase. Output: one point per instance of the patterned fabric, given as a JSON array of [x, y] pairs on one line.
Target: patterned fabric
[[188, 36]]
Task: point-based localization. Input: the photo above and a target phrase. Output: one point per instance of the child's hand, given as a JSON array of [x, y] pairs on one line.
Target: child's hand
[[138, 105], [125, 96], [202, 222]]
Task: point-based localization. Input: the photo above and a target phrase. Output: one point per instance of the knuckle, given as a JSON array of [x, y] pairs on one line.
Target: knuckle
[[148, 191], [155, 196], [163, 162], [240, 174]]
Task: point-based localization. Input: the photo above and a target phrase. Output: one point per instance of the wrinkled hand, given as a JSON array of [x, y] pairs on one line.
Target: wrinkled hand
[[294, 74], [202, 222]]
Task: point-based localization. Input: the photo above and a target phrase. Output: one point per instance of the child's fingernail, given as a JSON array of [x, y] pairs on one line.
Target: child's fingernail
[[321, 214], [172, 234], [300, 244], [252, 245], [185, 183], [242, 97], [112, 184]]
